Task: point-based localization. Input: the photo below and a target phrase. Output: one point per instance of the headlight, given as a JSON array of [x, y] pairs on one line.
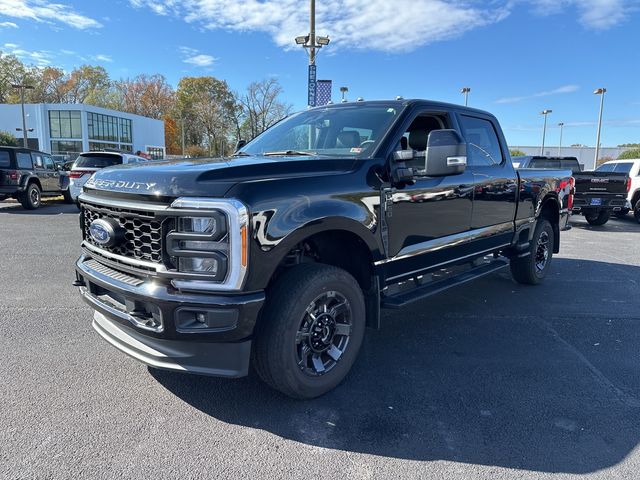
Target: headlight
[[209, 246]]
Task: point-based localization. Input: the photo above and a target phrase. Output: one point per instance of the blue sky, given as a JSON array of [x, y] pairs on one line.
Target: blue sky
[[518, 56]]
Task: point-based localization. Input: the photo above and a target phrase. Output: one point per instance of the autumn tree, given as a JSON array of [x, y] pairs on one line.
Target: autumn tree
[[87, 84], [261, 107], [12, 70], [146, 95], [172, 139]]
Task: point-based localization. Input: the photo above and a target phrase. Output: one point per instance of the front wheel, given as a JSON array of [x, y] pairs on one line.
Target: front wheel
[[533, 268], [636, 212], [67, 197], [31, 197], [599, 218], [311, 330]]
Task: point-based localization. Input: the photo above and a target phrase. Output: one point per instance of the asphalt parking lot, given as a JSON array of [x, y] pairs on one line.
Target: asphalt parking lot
[[494, 380]]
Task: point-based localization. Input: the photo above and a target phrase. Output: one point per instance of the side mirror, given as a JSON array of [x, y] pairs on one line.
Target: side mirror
[[240, 143], [446, 154]]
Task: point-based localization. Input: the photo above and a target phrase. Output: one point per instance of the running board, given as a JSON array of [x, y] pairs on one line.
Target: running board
[[400, 300]]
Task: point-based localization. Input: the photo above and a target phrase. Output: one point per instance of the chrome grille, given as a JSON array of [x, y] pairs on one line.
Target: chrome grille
[[142, 231]]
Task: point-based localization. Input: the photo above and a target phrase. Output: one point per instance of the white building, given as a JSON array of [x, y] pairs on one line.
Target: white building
[[586, 155], [68, 129]]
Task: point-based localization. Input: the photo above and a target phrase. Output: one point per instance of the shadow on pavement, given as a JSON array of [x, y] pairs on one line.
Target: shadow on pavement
[[48, 207], [626, 224], [494, 374]]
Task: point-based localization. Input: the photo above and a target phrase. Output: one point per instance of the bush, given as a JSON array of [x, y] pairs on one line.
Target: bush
[[8, 140], [630, 154], [517, 153]]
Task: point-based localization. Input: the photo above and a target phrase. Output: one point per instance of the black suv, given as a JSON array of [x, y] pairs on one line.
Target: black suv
[[28, 175]]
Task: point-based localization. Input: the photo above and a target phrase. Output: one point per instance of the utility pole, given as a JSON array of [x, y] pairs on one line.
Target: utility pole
[[544, 129], [465, 91], [561, 125], [23, 87], [601, 92], [182, 133]]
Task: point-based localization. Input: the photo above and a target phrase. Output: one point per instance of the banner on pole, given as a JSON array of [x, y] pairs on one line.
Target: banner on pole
[[323, 92], [312, 86]]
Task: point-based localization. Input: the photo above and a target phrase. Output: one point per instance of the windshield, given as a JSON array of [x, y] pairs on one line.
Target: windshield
[[352, 131]]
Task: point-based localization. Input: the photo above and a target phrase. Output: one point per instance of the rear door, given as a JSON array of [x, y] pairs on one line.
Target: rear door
[[5, 166], [53, 175], [495, 181]]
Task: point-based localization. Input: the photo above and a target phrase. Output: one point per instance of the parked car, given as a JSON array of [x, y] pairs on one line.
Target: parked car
[[534, 161], [88, 163], [28, 175], [597, 194], [631, 168], [282, 255]]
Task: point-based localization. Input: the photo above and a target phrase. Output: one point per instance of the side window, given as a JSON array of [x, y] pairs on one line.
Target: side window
[[5, 160], [24, 160], [48, 163], [483, 146]]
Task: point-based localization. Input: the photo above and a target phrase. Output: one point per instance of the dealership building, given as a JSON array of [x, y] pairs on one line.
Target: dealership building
[[68, 129]]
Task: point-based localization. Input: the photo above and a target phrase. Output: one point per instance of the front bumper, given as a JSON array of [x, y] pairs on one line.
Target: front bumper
[[146, 320]]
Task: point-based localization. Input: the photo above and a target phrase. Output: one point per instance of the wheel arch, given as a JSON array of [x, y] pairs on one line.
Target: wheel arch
[[550, 210]]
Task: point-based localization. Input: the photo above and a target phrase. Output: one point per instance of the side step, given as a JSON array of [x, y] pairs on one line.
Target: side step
[[405, 298]]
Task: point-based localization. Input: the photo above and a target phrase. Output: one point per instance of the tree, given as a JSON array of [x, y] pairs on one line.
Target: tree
[[12, 70], [195, 151], [630, 154], [87, 84], [517, 153], [50, 86], [261, 107], [602, 160], [632, 145], [147, 95], [7, 139], [206, 106], [172, 139]]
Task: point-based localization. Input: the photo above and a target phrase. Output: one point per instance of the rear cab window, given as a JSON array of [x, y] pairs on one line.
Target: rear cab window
[[5, 159], [97, 160], [483, 143], [23, 161]]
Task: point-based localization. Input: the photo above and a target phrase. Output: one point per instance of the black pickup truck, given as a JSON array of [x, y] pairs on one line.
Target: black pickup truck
[[281, 255], [28, 175]]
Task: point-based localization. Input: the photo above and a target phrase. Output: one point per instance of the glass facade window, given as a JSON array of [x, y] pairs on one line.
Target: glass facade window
[[65, 124], [63, 147], [157, 153], [115, 132]]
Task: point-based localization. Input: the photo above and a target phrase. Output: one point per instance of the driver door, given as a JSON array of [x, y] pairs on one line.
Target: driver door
[[428, 217]]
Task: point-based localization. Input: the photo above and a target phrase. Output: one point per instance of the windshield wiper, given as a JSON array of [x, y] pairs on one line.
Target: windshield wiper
[[290, 153], [241, 154]]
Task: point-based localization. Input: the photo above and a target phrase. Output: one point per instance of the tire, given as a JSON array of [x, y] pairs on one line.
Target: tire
[[32, 197], [622, 213], [532, 269], [636, 212], [295, 334], [599, 219], [67, 197]]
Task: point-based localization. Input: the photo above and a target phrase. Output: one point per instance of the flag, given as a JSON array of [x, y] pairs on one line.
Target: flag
[[323, 93]]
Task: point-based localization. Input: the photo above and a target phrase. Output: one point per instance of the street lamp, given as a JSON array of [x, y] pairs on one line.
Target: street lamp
[[465, 91], [312, 43], [601, 92], [22, 87], [561, 125], [544, 129], [343, 91]]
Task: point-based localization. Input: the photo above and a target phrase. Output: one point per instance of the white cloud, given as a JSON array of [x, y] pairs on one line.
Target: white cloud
[[40, 58], [44, 11], [102, 58], [399, 25], [596, 14], [548, 93], [8, 25], [194, 57], [378, 24]]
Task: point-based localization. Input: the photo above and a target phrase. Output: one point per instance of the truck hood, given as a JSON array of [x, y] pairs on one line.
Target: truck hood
[[210, 177]]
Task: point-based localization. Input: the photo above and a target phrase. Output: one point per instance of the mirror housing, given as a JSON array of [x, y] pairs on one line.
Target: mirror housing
[[446, 154], [240, 143]]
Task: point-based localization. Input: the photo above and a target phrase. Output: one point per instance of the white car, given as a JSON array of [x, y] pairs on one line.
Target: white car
[[631, 167], [89, 162]]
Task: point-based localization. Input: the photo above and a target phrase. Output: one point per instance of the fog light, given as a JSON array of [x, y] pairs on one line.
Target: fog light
[[199, 265]]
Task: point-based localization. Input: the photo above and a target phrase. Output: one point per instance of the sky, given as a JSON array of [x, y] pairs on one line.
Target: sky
[[517, 56]]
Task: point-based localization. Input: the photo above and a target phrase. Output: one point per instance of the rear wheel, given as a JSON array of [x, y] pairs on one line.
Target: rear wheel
[[311, 330], [636, 212], [31, 197], [599, 218], [533, 268]]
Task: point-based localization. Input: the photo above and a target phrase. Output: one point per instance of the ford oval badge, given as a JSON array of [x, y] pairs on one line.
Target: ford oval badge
[[102, 232]]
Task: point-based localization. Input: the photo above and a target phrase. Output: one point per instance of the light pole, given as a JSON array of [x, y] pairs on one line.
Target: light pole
[[544, 129], [601, 92], [561, 125], [343, 91], [312, 44], [22, 87], [465, 91]]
